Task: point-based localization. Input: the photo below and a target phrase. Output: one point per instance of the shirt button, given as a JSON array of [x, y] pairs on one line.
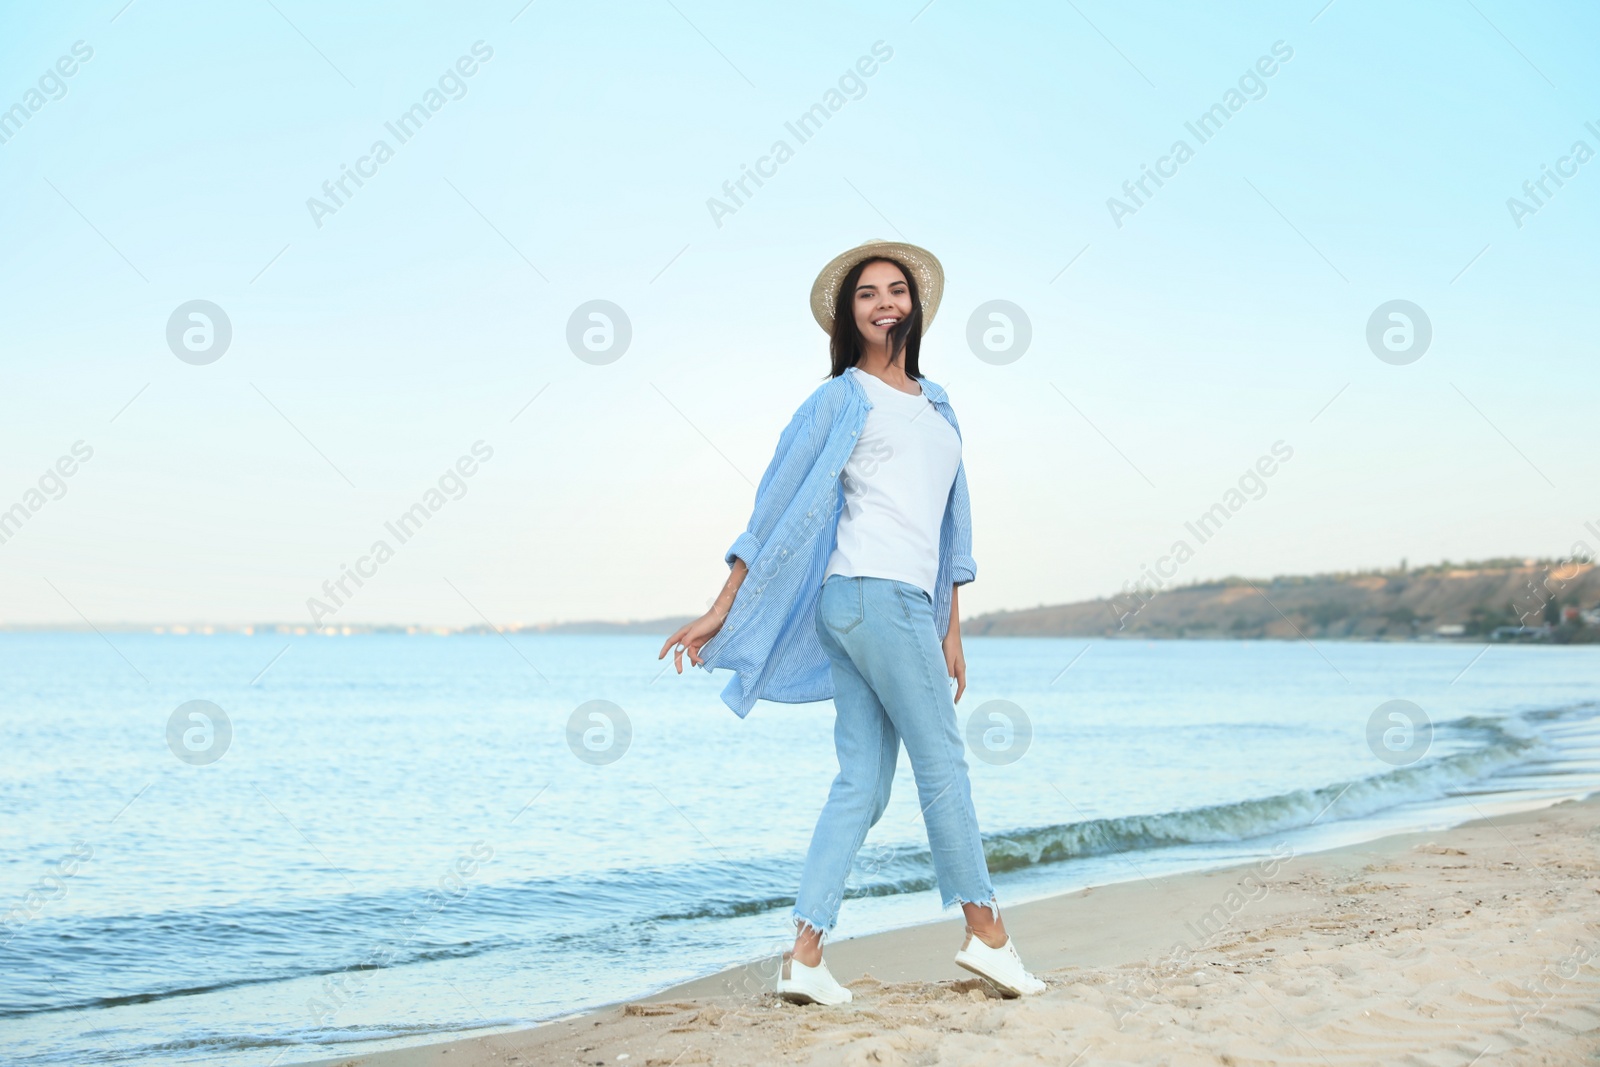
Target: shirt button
[[832, 473], [852, 433]]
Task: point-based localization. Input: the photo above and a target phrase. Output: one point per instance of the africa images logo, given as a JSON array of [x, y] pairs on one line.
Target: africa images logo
[[1251, 86], [410, 122]]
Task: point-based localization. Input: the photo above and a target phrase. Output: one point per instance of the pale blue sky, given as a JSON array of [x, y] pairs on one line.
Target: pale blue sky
[[370, 353]]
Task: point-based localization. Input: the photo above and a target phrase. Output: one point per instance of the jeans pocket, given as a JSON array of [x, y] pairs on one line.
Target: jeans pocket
[[912, 593], [914, 602], [843, 605]]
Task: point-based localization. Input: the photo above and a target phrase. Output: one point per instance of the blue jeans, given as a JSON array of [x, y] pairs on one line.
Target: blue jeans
[[890, 684]]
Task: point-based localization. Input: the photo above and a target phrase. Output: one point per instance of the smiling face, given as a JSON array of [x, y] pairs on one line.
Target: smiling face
[[881, 300]]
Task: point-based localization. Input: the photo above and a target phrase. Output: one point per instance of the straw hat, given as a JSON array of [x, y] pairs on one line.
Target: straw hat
[[923, 265]]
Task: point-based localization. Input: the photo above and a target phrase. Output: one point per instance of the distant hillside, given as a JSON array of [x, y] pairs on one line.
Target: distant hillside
[[1467, 601], [1478, 597]]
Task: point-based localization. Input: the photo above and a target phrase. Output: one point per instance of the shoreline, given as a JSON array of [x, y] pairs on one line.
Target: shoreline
[[1265, 961], [656, 628]]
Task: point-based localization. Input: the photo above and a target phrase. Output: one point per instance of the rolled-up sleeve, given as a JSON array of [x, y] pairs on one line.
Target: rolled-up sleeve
[[745, 547], [798, 447]]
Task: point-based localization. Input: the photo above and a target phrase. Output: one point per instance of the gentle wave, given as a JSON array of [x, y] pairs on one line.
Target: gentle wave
[[328, 938], [1503, 743], [219, 1042], [1245, 819]]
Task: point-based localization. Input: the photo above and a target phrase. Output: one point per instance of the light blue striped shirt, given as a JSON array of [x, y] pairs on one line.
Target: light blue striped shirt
[[769, 638]]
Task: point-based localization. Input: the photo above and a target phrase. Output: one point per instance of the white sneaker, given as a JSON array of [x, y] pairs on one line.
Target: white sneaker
[[1002, 967], [810, 985]]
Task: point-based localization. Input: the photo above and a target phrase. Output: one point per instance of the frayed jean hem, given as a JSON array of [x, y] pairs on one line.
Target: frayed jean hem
[[991, 904], [802, 924]]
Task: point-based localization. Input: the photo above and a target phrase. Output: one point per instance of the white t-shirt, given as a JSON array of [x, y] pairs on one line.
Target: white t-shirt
[[896, 484]]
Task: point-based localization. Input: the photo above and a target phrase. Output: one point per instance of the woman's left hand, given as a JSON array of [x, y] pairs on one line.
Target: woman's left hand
[[955, 662]]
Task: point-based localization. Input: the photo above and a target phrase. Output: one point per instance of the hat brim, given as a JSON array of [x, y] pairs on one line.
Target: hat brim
[[924, 266]]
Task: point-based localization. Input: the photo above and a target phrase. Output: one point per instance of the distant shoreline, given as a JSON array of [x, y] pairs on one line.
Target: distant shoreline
[[1551, 601], [656, 629], [1529, 601]]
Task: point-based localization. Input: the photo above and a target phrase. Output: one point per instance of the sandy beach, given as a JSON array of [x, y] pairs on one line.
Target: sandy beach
[[1477, 944]]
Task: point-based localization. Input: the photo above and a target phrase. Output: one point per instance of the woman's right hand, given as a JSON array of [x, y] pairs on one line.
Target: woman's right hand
[[692, 636]]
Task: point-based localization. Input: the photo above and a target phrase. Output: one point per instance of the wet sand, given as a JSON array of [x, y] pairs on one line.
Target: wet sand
[[1478, 944]]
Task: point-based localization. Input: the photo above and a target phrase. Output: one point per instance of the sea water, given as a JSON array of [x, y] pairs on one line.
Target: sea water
[[384, 839]]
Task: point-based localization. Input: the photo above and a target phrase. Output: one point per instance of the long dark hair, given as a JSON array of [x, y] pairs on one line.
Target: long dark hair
[[905, 337]]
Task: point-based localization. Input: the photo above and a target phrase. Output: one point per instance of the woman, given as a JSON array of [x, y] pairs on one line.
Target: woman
[[859, 537]]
